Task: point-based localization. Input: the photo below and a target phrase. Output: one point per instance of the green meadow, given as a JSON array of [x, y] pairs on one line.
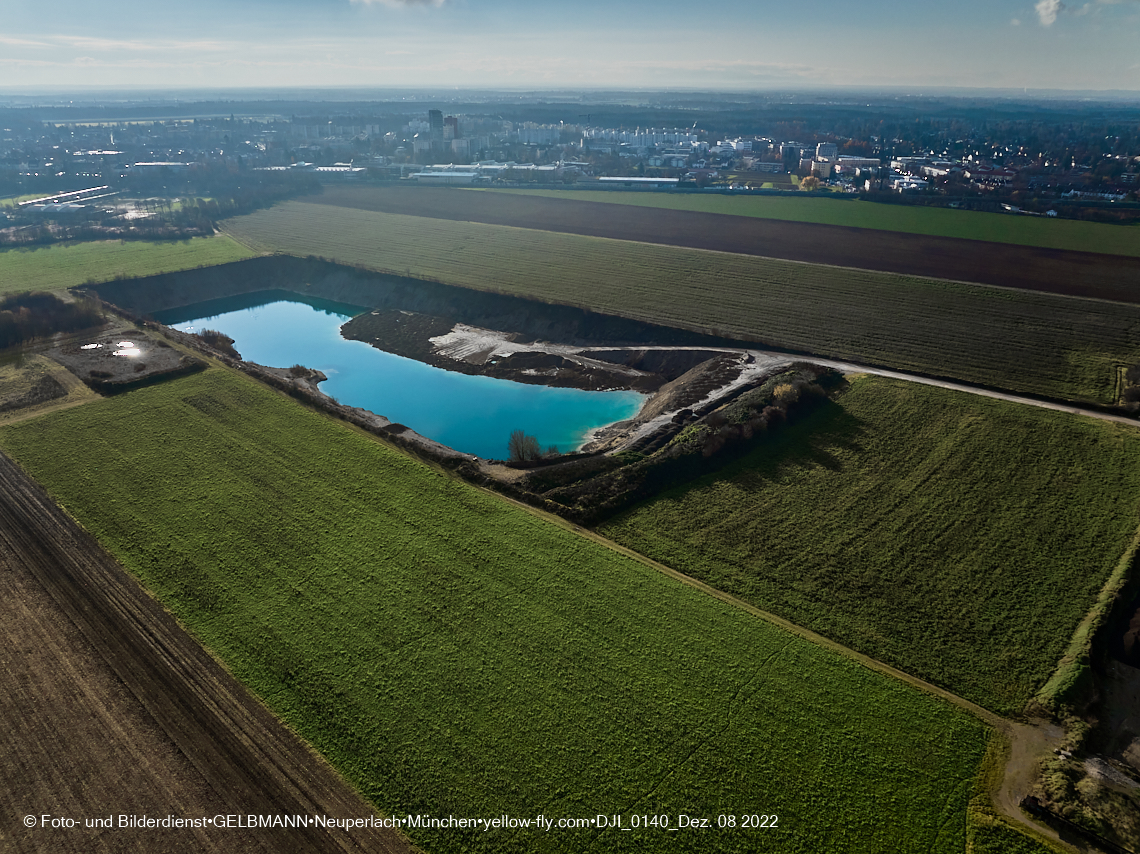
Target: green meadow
[[65, 265], [1024, 341], [452, 653], [959, 538]]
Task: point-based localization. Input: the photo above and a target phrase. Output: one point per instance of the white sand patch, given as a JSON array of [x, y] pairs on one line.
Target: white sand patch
[[471, 344]]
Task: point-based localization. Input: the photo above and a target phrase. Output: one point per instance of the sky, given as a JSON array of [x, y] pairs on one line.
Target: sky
[[737, 45]]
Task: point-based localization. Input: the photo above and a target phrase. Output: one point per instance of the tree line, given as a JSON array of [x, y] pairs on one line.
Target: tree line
[[27, 316]]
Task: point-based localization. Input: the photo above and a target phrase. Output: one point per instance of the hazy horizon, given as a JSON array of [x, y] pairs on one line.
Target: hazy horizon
[[508, 45]]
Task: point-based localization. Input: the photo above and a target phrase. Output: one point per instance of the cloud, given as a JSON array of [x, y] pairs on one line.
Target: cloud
[[18, 42], [1047, 11], [147, 46], [1015, 22]]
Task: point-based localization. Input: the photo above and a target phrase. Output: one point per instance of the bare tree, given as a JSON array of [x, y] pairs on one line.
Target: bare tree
[[522, 447]]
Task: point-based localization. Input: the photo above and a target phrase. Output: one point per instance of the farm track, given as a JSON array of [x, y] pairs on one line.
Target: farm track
[[1081, 274], [855, 368], [112, 708]]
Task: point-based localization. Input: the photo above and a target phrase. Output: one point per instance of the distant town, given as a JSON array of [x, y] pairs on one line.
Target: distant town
[[130, 174]]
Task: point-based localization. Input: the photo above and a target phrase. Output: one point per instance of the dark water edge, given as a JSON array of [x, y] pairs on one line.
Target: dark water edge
[[242, 302]]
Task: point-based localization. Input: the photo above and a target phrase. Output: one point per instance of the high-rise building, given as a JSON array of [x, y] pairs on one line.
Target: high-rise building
[[790, 155], [826, 151], [450, 127], [435, 124]]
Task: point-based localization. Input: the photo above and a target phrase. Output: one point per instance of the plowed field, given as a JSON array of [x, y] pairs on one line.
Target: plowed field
[[109, 708], [1085, 274]]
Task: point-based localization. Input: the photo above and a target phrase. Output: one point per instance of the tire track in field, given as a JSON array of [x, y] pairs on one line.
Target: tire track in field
[[111, 707]]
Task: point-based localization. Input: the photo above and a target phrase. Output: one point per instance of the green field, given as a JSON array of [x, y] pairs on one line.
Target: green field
[[13, 201], [959, 538], [910, 219], [1025, 341], [65, 265], [453, 653]]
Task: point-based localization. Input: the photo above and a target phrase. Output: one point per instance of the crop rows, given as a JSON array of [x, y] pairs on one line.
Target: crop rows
[[452, 653], [961, 539], [908, 219], [1023, 341], [65, 265]]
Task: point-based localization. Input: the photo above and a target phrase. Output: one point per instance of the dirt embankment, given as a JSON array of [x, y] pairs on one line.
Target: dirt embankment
[[1085, 274], [111, 709], [31, 385], [309, 277], [736, 404], [42, 389], [469, 332], [1117, 713]]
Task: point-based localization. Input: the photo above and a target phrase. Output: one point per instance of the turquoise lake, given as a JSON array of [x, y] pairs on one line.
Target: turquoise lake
[[469, 413]]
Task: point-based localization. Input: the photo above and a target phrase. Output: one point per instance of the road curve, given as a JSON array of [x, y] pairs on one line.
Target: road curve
[[853, 368]]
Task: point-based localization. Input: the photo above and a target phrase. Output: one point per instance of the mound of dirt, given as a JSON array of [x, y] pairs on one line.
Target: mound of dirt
[[122, 360]]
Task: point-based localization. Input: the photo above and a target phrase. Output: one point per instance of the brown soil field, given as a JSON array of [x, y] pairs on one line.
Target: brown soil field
[[1084, 274], [110, 708]]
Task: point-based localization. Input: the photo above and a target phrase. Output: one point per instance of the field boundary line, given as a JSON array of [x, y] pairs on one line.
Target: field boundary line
[[988, 717], [1008, 731], [679, 248], [552, 192], [251, 245]]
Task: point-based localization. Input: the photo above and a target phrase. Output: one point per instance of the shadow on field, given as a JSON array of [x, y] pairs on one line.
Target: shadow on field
[[811, 442]]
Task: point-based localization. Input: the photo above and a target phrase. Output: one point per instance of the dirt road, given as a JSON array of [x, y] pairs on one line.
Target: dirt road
[[109, 708], [771, 357]]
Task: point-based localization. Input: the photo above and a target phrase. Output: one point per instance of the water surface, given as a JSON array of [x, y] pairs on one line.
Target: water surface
[[472, 414]]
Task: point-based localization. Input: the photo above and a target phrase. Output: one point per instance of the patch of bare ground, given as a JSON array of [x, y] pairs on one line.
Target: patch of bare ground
[[32, 384], [1027, 744], [1084, 274], [110, 708], [454, 346], [122, 359]]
